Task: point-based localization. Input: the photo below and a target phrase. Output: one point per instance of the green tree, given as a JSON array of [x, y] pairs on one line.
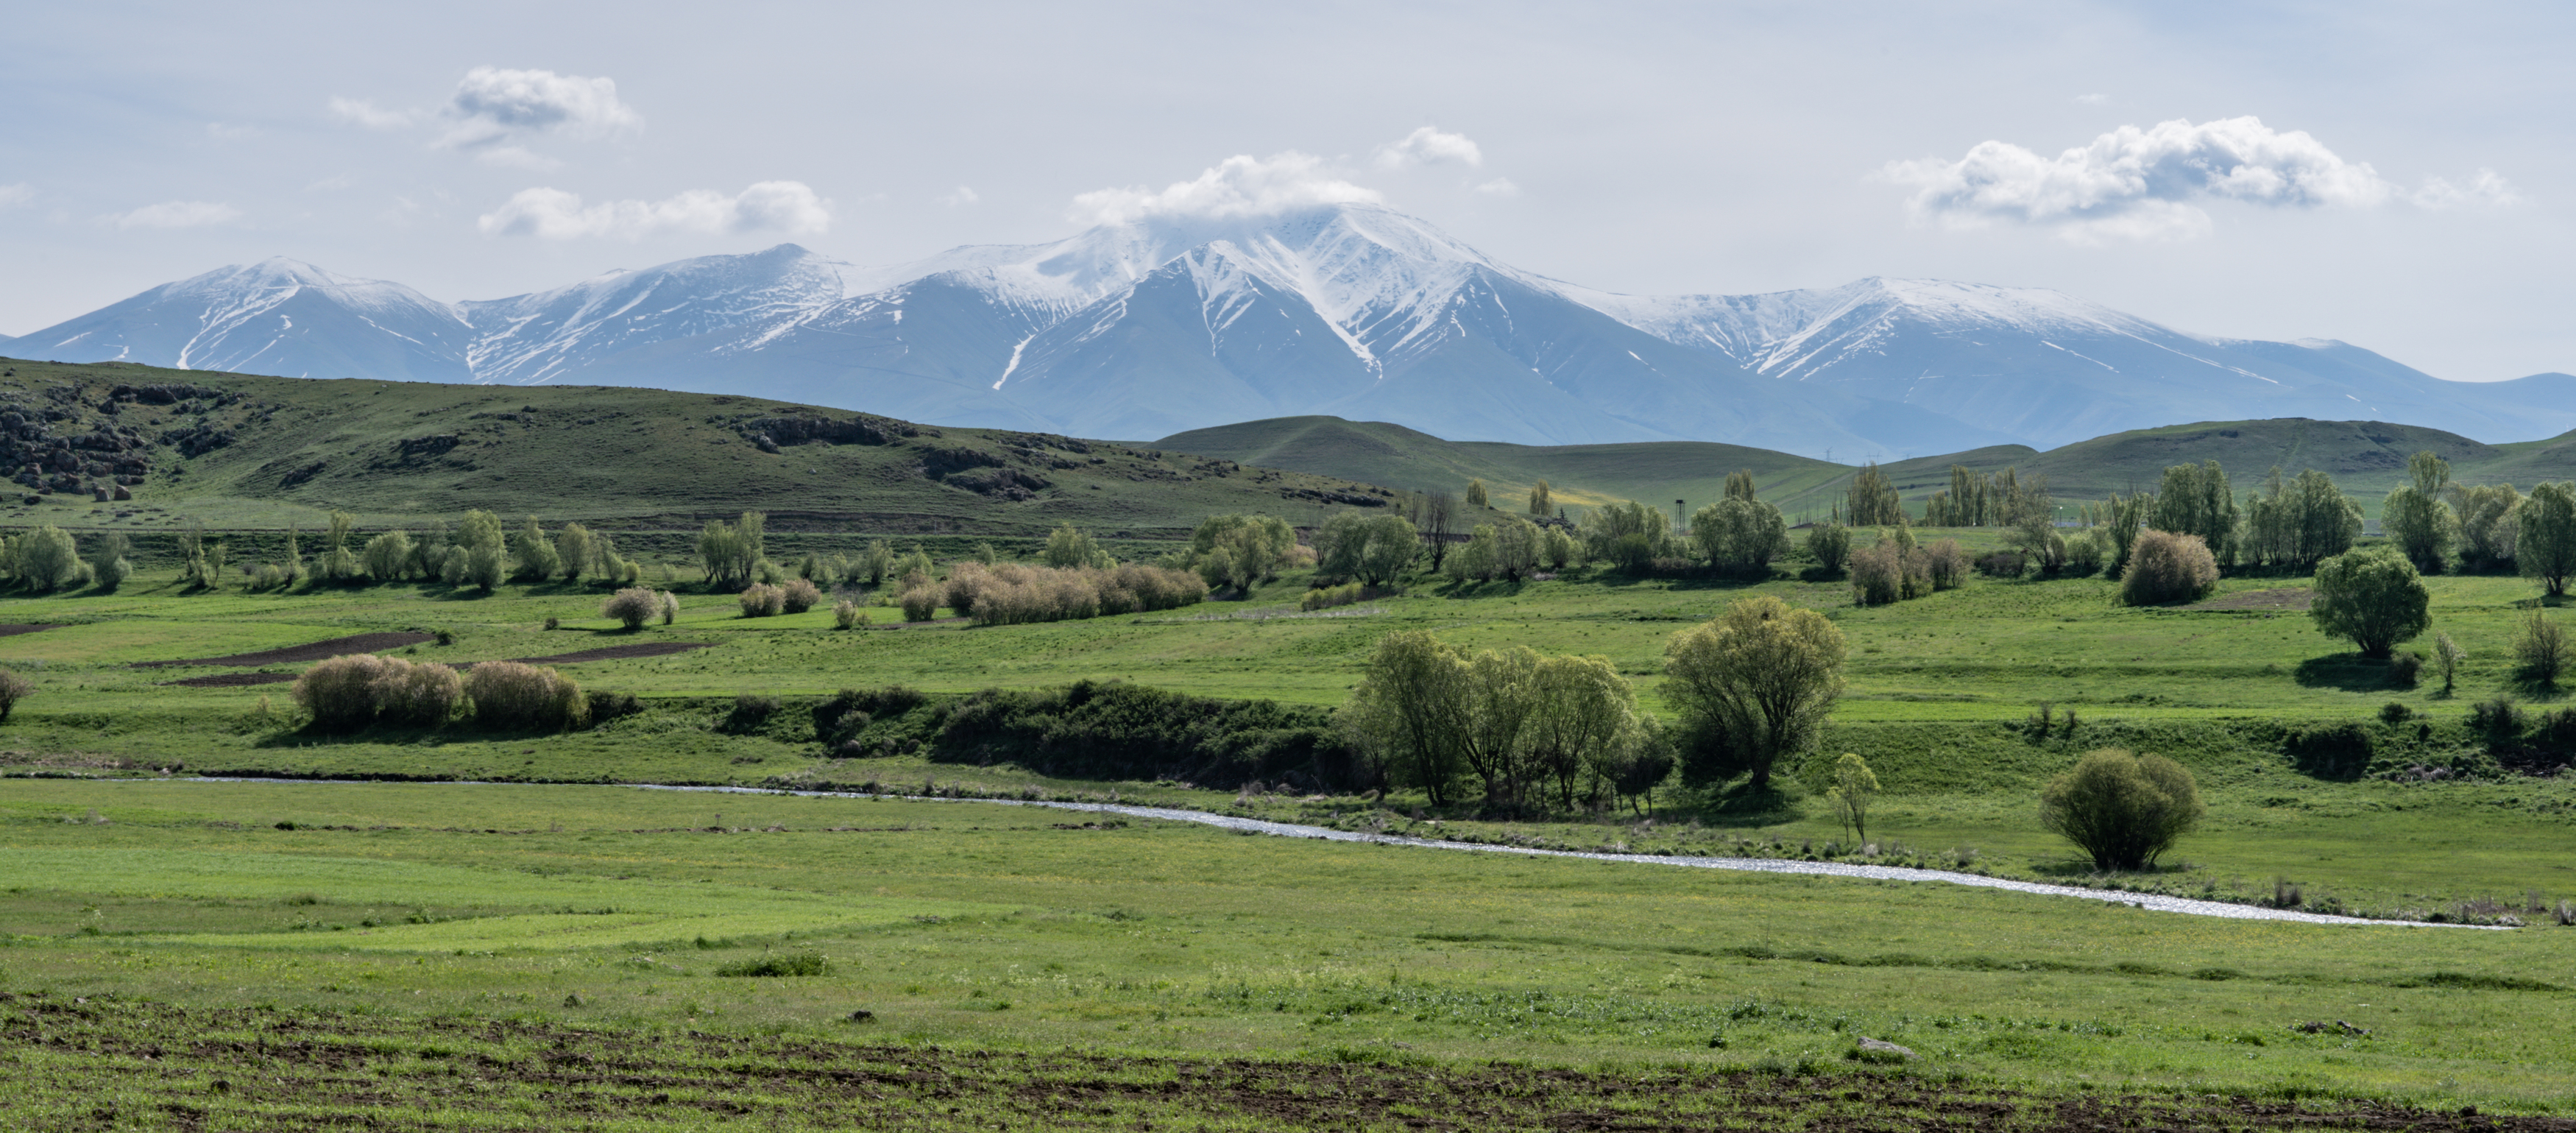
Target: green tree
[[2489, 524], [1739, 485], [47, 559], [1406, 712], [479, 554], [1871, 501], [107, 564], [1740, 535], [1476, 493], [1070, 546], [1626, 536], [2545, 546], [338, 563], [387, 556], [1830, 545], [1585, 716], [1241, 550], [2541, 648], [1479, 559], [2123, 810], [1542, 501], [536, 553], [1853, 787], [1756, 683], [2196, 500], [2372, 596], [1562, 550], [577, 553]]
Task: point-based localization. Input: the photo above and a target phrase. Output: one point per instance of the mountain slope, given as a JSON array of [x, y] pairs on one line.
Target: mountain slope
[[589, 326], [278, 316]]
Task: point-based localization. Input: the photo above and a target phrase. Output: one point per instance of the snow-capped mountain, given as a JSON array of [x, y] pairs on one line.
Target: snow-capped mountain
[[538, 338], [1160, 325], [277, 316]]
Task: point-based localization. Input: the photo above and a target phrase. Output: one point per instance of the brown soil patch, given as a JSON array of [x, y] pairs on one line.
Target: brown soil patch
[[98, 1062], [233, 680], [15, 630], [618, 652], [292, 654], [2286, 598]]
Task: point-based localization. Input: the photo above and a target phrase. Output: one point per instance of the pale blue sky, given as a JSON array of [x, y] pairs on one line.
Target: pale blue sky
[[1643, 147]]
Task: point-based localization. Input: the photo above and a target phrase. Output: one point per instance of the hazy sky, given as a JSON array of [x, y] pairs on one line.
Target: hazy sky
[[2399, 177]]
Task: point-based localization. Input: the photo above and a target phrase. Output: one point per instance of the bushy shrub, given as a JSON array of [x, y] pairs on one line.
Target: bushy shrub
[[2084, 553], [1114, 730], [792, 964], [423, 695], [2542, 650], [921, 603], [1830, 545], [842, 717], [1877, 575], [2166, 567], [607, 706], [350, 692], [750, 711], [2122, 809], [13, 688], [760, 600], [967, 582], [2373, 596], [1947, 564], [798, 596], [340, 693], [1327, 597], [670, 607], [2002, 564], [510, 696], [632, 606], [847, 614]]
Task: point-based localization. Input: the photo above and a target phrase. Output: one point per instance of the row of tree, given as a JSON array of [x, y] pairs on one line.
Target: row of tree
[[1753, 686]]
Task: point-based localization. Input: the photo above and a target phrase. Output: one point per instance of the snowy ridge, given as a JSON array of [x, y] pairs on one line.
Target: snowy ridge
[[1164, 323]]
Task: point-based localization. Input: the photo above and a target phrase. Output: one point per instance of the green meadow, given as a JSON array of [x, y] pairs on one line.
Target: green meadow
[[306, 909]]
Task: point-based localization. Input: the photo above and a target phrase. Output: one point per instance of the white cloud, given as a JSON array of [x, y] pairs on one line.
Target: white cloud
[[493, 106], [516, 157], [2092, 99], [18, 194], [175, 214], [553, 214], [1499, 187], [1241, 185], [364, 113], [1429, 146], [963, 196], [2484, 188], [2138, 184]]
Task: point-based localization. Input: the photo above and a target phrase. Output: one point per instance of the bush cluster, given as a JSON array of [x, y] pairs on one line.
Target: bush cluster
[[1895, 569], [798, 596], [348, 693], [632, 606], [847, 614], [920, 602], [511, 696], [1327, 597], [1017, 594]]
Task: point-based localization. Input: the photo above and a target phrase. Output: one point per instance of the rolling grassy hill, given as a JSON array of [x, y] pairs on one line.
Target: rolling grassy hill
[[235, 451], [2366, 457]]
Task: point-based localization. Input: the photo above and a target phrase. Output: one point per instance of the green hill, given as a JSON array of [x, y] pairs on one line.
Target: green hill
[[2366, 457], [235, 451], [1382, 453]]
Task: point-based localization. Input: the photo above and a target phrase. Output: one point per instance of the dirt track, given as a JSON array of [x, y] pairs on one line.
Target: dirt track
[[294, 654]]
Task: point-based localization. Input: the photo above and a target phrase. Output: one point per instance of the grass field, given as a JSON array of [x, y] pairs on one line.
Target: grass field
[[426, 936]]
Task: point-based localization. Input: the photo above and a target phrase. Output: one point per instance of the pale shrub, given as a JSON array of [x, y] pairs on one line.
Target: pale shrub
[[1877, 575], [1947, 563], [760, 600], [422, 694], [340, 693], [1330, 596], [798, 596], [633, 606], [921, 603], [514, 697], [847, 614], [670, 607], [2166, 567]]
